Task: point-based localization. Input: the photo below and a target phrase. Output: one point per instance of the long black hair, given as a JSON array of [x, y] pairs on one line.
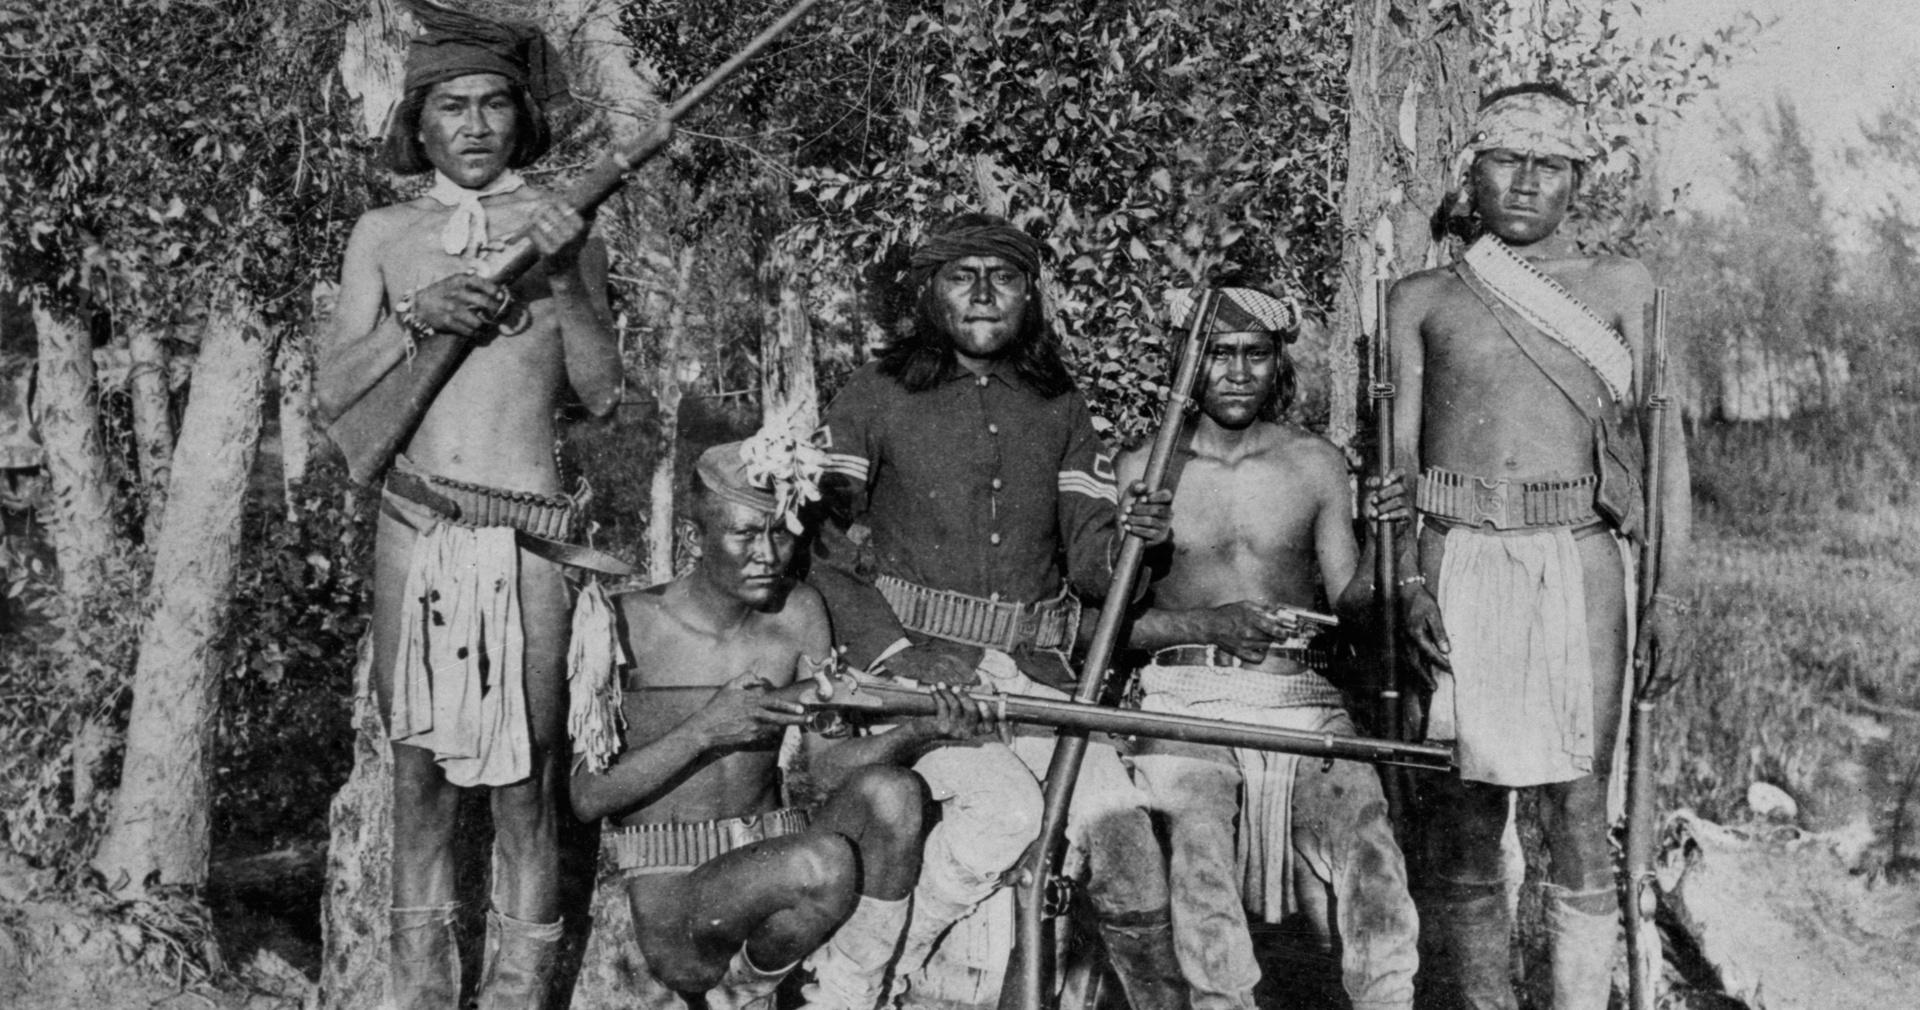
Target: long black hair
[[405, 154], [921, 355]]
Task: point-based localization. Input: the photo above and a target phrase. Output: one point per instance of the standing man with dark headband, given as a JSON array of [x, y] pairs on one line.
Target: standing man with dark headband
[[470, 620], [1519, 370], [970, 500]]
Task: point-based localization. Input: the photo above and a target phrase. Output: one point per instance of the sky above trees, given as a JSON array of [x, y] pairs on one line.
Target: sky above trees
[[1839, 62]]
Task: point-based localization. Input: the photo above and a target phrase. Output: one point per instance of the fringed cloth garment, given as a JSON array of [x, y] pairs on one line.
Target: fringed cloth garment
[[459, 685], [1304, 701]]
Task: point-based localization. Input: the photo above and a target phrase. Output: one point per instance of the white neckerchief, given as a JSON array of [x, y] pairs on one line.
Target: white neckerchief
[[466, 232]]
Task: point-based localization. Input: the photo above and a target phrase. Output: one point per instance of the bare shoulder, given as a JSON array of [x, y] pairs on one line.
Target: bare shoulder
[[1418, 292], [804, 609], [380, 225], [1619, 287], [641, 610], [1309, 457]]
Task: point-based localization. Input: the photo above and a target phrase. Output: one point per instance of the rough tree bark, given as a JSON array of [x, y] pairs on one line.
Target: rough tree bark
[[1412, 93], [677, 370], [159, 829], [66, 410], [148, 381], [294, 368]]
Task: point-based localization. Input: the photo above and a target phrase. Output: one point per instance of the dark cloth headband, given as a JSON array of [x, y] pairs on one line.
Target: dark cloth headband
[[1001, 240], [454, 44]]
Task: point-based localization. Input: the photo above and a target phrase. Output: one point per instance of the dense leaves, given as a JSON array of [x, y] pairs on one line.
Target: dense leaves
[[1148, 143], [150, 146]]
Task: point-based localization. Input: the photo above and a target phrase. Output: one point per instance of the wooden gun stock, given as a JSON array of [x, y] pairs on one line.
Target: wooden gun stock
[[372, 430]]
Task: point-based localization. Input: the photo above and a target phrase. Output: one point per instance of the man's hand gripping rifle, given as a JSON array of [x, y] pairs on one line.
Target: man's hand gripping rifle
[[372, 430]]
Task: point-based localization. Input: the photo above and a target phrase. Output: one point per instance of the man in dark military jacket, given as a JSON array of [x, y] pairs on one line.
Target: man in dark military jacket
[[971, 499]]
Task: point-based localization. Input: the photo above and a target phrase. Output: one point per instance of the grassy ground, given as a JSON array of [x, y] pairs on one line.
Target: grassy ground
[[1804, 659]]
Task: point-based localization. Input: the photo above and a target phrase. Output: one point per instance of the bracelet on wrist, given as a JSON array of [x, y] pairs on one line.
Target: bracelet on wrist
[[409, 319], [1412, 580]]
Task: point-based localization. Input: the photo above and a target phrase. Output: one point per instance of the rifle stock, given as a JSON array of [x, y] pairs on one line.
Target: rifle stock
[[1027, 982], [373, 429], [1638, 899]]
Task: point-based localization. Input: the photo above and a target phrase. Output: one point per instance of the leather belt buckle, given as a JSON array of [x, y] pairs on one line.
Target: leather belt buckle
[[1492, 502], [742, 831]]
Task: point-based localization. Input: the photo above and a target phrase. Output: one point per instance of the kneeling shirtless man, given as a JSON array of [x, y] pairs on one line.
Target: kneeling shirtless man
[[1264, 525], [729, 890]]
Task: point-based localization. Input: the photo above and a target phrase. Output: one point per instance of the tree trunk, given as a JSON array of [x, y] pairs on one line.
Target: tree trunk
[[353, 914], [676, 370], [294, 366], [148, 381], [66, 410], [1412, 94], [159, 830], [602, 71], [789, 392]]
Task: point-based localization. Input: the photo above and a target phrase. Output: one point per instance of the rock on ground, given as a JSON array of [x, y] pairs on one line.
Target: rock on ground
[[1784, 924]]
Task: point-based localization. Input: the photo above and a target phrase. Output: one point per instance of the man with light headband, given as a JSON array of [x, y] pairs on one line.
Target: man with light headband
[[970, 500], [1519, 371], [470, 621], [730, 889], [1265, 533]]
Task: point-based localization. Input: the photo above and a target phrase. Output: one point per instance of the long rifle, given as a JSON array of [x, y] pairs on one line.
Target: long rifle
[[871, 696], [1027, 984], [371, 430], [1386, 574], [1638, 899]]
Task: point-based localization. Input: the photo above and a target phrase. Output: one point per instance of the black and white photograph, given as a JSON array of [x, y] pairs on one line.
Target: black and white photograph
[[959, 505]]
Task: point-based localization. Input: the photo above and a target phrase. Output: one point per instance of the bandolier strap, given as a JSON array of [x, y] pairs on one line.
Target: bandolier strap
[[991, 624], [1507, 504]]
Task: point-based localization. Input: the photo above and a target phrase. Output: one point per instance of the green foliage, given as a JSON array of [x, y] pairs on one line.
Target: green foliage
[[63, 696], [301, 598], [1147, 143], [1150, 145], [148, 148]]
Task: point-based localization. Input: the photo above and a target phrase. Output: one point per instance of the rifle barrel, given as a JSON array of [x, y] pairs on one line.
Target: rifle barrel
[[1638, 899], [1025, 980], [903, 700]]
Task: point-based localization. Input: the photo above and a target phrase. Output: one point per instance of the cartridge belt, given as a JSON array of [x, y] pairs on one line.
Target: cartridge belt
[[1312, 655], [545, 522], [1178, 673], [1506, 504], [992, 624], [685, 845], [478, 506]]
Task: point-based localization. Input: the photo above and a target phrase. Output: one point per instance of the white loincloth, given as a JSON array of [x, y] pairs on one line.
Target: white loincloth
[[1519, 699], [459, 686], [1264, 826]]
